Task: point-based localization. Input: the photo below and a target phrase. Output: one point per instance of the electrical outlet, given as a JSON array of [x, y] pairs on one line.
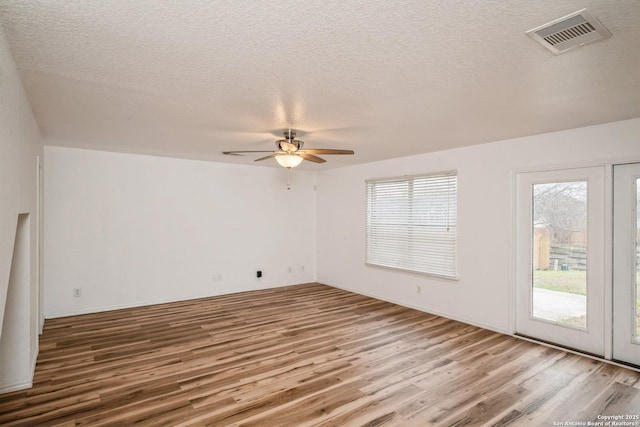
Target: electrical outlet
[[302, 269], [216, 277], [418, 289], [289, 269], [76, 292]]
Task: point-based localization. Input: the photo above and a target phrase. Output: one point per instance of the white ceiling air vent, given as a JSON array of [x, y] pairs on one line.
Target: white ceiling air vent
[[568, 32]]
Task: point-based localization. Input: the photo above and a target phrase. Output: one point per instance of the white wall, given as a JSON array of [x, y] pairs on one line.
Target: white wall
[[132, 230], [483, 295], [15, 345], [19, 148]]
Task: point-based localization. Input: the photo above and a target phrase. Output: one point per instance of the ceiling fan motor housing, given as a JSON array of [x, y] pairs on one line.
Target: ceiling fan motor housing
[[290, 143]]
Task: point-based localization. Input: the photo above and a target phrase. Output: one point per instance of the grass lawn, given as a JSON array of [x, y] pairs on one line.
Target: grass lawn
[[573, 281]]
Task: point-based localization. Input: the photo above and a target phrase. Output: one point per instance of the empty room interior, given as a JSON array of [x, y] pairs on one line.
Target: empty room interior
[[338, 213]]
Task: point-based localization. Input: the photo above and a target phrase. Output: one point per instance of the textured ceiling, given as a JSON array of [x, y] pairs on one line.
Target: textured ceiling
[[387, 79]]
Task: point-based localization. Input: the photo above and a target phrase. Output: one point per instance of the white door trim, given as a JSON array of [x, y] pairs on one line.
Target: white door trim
[[591, 340], [624, 263]]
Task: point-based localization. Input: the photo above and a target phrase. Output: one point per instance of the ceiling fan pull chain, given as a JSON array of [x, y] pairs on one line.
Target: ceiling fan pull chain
[[288, 179]]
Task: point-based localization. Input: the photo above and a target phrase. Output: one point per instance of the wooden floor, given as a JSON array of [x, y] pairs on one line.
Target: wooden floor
[[305, 355]]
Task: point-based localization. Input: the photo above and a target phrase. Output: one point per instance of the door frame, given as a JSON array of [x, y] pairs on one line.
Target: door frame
[[593, 339], [39, 244], [620, 352]]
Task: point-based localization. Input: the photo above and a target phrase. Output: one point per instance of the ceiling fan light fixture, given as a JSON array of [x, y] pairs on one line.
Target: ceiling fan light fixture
[[288, 160]]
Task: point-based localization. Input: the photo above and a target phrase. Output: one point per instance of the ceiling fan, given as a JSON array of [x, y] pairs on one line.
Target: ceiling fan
[[289, 152]]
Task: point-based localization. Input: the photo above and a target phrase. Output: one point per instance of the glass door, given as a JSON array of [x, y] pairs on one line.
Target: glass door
[[626, 263], [560, 257]]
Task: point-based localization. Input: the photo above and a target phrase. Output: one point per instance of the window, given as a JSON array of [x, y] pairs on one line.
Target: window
[[411, 223]]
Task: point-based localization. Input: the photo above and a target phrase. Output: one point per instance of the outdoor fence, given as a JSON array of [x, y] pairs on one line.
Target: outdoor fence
[[567, 258]]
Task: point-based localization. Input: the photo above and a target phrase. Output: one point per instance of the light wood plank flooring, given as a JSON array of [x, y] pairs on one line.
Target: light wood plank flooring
[[300, 356]]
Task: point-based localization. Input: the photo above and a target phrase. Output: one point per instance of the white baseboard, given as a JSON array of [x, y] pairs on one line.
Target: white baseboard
[[154, 302], [26, 384], [123, 306], [415, 307], [16, 387]]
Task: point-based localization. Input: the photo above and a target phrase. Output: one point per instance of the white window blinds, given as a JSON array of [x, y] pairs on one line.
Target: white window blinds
[[411, 223]]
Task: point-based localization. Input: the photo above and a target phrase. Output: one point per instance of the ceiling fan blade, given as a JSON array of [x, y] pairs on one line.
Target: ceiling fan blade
[[270, 156], [311, 157], [235, 153], [326, 151]]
